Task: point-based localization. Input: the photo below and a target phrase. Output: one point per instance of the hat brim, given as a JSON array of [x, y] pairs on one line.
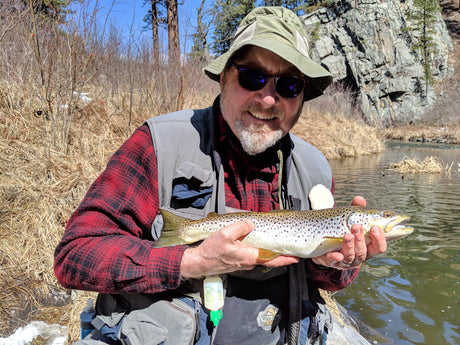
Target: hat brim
[[319, 76]]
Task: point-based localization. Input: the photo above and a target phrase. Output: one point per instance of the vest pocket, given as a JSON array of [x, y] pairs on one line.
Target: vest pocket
[[191, 186], [138, 319], [163, 322], [248, 322]]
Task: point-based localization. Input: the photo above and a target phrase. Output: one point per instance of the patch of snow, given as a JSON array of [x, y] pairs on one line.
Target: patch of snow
[[84, 96], [53, 334]]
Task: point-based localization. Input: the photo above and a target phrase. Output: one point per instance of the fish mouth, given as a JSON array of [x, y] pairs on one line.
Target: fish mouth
[[397, 228], [403, 228]]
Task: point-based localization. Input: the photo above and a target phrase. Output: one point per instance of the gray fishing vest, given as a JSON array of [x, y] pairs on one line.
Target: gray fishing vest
[[184, 143], [184, 147]]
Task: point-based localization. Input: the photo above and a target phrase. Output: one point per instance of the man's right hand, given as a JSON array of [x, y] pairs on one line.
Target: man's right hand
[[223, 252]]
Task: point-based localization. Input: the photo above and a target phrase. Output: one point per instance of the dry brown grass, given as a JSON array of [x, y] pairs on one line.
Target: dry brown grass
[[429, 165], [448, 134], [334, 126], [337, 136]]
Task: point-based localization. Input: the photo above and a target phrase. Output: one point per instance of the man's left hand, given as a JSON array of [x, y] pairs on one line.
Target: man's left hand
[[355, 250]]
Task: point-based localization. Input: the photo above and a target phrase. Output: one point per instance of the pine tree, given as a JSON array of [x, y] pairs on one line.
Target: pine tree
[[173, 32], [156, 17], [227, 16], [153, 19], [423, 17], [54, 10], [291, 4]]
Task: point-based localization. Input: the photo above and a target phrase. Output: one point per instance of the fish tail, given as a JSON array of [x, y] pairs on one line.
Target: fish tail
[[170, 231]]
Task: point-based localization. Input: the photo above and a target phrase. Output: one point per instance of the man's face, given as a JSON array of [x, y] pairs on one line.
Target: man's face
[[259, 118]]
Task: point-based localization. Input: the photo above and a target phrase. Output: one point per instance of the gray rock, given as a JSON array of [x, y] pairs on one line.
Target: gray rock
[[367, 44]]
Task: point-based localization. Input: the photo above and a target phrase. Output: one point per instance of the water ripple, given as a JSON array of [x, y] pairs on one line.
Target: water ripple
[[411, 293]]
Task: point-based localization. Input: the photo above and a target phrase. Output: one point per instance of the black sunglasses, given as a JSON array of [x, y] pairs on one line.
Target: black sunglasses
[[253, 80]]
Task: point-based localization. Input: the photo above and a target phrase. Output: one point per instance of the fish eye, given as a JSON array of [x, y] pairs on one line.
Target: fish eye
[[387, 214]]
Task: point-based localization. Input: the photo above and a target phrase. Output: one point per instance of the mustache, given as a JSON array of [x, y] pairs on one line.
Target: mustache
[[256, 108]]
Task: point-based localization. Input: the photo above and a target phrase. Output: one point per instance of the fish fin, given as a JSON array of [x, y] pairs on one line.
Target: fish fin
[[266, 255], [334, 239], [169, 233]]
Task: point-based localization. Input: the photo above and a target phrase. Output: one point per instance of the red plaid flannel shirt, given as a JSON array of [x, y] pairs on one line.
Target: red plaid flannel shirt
[[107, 245]]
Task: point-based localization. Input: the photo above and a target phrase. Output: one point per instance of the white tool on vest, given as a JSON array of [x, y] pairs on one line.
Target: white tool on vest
[[214, 297]]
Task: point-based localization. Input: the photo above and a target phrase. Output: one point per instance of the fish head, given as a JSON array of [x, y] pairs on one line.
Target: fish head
[[392, 223], [397, 228]]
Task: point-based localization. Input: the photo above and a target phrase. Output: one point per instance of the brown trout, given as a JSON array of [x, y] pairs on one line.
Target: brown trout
[[304, 234]]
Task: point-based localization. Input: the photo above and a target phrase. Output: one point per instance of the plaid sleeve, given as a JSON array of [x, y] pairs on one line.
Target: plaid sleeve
[[330, 279], [107, 245]]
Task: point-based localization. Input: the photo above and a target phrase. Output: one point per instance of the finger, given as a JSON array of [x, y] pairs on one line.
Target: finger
[[328, 259], [282, 260], [348, 248], [360, 247], [378, 242], [358, 201], [238, 231]]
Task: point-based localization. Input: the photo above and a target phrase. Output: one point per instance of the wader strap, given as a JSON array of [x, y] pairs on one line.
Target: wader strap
[[297, 293]]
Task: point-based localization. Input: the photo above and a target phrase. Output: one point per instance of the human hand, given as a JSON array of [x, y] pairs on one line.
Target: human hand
[[355, 250], [223, 252]]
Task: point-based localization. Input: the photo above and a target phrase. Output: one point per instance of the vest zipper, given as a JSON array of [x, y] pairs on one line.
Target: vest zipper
[[196, 304]]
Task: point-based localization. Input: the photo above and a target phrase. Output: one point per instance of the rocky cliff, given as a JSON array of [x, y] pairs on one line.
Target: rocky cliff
[[369, 46]]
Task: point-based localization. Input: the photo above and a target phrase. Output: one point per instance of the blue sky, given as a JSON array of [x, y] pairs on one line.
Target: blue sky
[[125, 13]]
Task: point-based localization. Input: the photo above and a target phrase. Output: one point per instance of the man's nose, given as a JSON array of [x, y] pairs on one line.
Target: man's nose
[[268, 95]]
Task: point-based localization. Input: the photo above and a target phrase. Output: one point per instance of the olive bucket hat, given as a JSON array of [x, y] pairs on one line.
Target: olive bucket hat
[[280, 31]]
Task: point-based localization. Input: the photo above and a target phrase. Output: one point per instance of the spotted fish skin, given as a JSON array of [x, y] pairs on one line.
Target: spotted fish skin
[[303, 234]]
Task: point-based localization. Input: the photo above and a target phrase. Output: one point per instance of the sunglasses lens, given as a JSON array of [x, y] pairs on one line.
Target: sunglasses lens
[[251, 79], [289, 87]]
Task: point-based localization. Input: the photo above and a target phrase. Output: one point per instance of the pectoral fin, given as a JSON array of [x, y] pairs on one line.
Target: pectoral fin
[[266, 255], [334, 241]]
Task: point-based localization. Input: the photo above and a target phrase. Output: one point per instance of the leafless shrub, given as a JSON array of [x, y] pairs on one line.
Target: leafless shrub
[[444, 111], [338, 99]]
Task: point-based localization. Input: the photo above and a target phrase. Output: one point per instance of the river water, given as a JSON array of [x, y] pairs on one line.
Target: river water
[[410, 294]]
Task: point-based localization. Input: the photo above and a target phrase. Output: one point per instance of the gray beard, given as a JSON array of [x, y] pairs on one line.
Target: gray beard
[[256, 141]]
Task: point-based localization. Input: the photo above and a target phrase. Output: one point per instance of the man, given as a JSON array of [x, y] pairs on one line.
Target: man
[[237, 154]]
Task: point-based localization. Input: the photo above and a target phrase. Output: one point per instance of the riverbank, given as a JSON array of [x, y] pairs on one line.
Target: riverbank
[[447, 134]]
